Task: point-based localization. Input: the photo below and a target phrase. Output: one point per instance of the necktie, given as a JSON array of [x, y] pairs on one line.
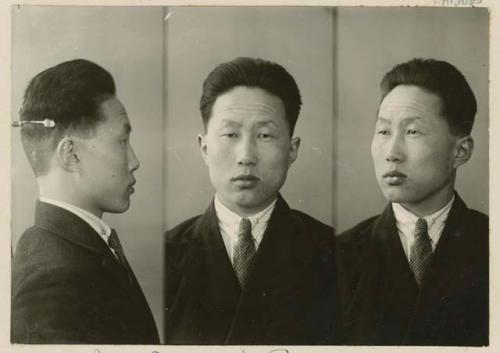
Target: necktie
[[244, 251], [421, 251], [114, 243]]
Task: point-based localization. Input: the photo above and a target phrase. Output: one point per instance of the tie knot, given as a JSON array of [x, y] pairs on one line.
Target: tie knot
[[421, 228], [245, 230], [114, 242]]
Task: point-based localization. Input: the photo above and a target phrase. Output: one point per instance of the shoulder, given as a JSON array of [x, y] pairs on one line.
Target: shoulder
[[37, 246], [41, 252], [358, 233], [477, 220], [308, 222], [184, 231]]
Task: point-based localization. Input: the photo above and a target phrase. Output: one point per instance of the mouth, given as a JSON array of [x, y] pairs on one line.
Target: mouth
[[131, 188], [245, 180], [394, 178]]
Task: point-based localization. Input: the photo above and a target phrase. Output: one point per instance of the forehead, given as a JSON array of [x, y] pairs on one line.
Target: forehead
[[406, 101], [114, 113], [242, 104]]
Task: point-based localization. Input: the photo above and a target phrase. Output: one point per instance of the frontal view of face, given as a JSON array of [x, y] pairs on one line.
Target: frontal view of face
[[108, 162], [248, 148], [413, 150]]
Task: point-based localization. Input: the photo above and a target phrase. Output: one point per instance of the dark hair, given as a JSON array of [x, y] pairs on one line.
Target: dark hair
[[70, 94], [443, 79], [251, 72]]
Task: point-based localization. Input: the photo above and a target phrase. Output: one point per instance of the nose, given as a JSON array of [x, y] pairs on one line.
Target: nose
[[395, 149], [133, 161], [246, 155]]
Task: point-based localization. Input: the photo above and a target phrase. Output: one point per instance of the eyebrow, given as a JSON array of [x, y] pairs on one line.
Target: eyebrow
[[266, 122], [389, 121], [228, 122]]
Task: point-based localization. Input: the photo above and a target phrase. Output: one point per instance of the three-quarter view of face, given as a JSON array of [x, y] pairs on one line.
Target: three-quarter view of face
[[248, 148], [413, 149], [108, 161]]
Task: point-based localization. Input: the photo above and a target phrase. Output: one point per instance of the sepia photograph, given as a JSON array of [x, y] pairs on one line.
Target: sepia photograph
[[249, 176]]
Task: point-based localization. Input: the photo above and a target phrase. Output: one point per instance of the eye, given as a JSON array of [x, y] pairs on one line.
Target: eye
[[382, 132], [230, 135], [412, 132], [264, 136]]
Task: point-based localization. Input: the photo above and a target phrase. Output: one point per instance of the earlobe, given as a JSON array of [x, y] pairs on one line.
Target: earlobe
[[294, 150], [66, 154], [202, 143], [463, 151]]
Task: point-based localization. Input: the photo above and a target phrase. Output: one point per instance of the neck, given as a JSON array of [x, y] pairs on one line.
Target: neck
[[60, 189], [430, 205], [246, 212]]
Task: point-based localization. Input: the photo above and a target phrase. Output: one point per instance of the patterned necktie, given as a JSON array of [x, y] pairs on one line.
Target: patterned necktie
[[114, 243], [244, 251], [421, 251]]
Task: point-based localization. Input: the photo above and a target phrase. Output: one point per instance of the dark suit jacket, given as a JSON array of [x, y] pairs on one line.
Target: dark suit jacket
[[290, 296], [381, 303], [67, 287]]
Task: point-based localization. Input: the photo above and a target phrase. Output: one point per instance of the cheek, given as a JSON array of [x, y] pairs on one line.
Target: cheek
[[432, 161], [275, 159]]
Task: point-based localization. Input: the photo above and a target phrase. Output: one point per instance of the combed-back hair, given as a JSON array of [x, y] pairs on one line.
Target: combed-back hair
[[70, 94], [251, 72], [443, 79]]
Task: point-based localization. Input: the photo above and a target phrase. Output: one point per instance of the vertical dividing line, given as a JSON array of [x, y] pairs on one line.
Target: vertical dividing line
[[335, 111], [164, 100]]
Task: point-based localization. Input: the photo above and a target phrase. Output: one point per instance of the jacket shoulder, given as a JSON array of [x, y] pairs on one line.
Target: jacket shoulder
[[312, 224], [184, 231], [357, 233], [38, 247], [478, 219]]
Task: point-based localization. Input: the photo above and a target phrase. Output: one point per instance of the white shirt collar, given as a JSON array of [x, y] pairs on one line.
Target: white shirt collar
[[229, 223], [406, 221], [231, 218], [95, 222]]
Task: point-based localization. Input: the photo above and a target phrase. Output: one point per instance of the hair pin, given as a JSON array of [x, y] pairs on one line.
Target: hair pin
[[47, 123]]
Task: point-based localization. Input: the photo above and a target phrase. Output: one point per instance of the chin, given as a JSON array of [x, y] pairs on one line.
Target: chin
[[119, 208], [395, 195]]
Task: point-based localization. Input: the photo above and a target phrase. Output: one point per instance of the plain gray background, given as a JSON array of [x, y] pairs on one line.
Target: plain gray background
[[337, 56]]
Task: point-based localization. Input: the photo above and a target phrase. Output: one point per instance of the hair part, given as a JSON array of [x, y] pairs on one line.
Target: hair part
[[251, 72], [70, 94], [443, 79]]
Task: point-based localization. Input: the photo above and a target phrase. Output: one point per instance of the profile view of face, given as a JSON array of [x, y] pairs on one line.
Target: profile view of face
[[248, 149], [413, 149], [108, 162]]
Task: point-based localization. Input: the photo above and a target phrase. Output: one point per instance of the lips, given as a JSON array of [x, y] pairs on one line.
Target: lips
[[131, 187], [245, 177], [394, 178], [245, 180]]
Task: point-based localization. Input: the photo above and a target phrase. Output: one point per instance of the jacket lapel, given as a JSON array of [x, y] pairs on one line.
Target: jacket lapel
[[208, 270], [446, 273], [271, 277], [397, 273], [385, 290], [72, 228]]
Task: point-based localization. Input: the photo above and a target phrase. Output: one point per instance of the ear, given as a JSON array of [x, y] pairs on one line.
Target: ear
[[294, 150], [202, 142], [463, 150], [66, 154]]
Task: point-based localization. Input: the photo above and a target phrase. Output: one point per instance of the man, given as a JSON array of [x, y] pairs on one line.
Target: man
[[71, 282], [418, 273], [250, 270]]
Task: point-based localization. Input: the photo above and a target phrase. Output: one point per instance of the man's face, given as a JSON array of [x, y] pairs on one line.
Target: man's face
[[248, 149], [413, 151], [107, 162]]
